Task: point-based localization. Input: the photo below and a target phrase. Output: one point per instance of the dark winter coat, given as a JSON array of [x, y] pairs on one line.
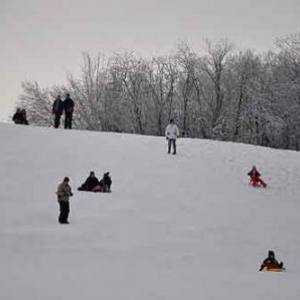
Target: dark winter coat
[[90, 183], [58, 106], [68, 105], [105, 182], [254, 173], [24, 117], [18, 117], [270, 261]]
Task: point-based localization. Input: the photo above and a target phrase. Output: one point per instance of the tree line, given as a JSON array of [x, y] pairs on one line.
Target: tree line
[[221, 93]]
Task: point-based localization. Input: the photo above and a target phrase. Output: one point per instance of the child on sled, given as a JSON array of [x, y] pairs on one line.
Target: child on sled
[[255, 179], [271, 263]]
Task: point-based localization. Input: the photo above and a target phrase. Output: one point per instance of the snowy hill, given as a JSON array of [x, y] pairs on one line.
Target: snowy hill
[[181, 227]]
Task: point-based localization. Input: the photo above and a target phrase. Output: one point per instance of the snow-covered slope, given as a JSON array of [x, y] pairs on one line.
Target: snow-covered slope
[[175, 227]]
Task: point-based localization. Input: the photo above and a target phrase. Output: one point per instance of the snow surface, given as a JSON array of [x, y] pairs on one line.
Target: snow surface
[[175, 227]]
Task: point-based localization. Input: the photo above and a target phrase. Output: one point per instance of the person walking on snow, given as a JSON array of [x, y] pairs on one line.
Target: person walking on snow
[[255, 179], [172, 133], [57, 110], [69, 108], [64, 192]]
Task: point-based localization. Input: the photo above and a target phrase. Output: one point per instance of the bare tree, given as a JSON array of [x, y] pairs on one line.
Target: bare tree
[[88, 92], [132, 73], [162, 75], [214, 64], [222, 95], [246, 70], [186, 59]]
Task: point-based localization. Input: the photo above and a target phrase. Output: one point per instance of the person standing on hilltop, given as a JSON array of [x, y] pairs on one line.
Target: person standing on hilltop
[[69, 108], [172, 133], [24, 117], [57, 110], [18, 117]]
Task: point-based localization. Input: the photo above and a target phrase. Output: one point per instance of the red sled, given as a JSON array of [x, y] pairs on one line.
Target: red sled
[[273, 268], [257, 182]]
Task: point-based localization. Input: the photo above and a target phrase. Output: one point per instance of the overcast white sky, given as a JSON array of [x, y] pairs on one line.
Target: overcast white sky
[[43, 39]]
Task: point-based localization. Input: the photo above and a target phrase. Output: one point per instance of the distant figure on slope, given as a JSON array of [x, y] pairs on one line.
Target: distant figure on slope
[[24, 117], [91, 184], [64, 192], [255, 179], [105, 183], [69, 108], [19, 117], [271, 263], [57, 110], [172, 133]]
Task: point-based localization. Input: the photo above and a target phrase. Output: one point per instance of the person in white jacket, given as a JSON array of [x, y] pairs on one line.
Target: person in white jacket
[[172, 133]]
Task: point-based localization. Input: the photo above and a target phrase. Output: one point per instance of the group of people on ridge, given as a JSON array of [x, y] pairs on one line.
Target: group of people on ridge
[[20, 117], [59, 107]]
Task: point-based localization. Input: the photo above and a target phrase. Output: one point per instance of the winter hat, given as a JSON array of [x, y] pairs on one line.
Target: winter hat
[[271, 253]]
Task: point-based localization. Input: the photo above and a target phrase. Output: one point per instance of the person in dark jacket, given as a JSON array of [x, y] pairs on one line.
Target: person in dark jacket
[[57, 110], [69, 108], [64, 192], [255, 179], [105, 183], [271, 262], [91, 184], [17, 117], [24, 117]]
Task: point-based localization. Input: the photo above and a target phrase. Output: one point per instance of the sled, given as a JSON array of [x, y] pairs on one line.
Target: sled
[[273, 269], [257, 185], [96, 191]]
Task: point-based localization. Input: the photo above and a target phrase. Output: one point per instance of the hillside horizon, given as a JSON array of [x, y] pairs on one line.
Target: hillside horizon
[[174, 227]]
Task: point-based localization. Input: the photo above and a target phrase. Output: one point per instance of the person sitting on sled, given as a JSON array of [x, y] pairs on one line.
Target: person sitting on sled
[[255, 179], [271, 263], [105, 183], [90, 184]]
